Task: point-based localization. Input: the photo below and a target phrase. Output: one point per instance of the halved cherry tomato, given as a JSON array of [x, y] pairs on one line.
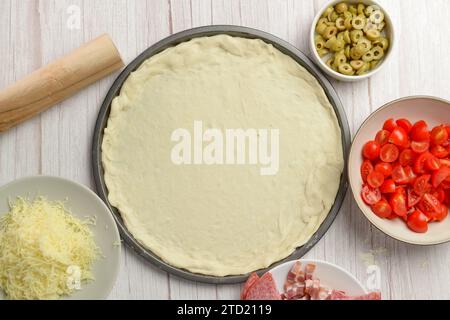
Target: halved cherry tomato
[[439, 152], [418, 222], [439, 135], [375, 179], [439, 176], [410, 174], [388, 186], [398, 204], [366, 168], [447, 143], [439, 194], [432, 163], [413, 198], [389, 125], [407, 157], [445, 163], [400, 190], [382, 137], [382, 209], [420, 147], [430, 205], [389, 153], [442, 214], [370, 196], [384, 168], [419, 165], [447, 197], [399, 137], [405, 124], [371, 150], [419, 132], [399, 175], [421, 186]]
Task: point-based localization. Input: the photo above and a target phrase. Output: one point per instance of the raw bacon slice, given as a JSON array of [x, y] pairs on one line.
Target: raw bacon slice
[[263, 289], [295, 291], [250, 282], [292, 274], [309, 271]]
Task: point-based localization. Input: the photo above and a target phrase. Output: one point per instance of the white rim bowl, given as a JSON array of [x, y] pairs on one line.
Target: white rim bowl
[[321, 63]]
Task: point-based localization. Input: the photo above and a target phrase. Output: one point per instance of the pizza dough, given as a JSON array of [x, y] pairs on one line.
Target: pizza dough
[[221, 219]]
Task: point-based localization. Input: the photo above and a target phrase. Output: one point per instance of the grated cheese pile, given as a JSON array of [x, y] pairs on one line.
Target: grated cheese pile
[[41, 244]]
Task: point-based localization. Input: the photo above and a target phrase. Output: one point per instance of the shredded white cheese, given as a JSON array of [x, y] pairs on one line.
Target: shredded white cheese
[[45, 252]]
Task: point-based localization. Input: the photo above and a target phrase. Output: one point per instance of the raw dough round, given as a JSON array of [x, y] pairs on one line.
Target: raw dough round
[[222, 219]]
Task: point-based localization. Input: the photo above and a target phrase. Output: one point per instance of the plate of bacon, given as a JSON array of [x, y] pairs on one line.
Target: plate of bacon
[[306, 280]]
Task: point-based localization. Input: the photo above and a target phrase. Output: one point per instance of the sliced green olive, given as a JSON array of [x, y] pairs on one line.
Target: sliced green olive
[[374, 64], [327, 12], [340, 24], [323, 52], [378, 53], [359, 22], [353, 10], [364, 43], [330, 62], [377, 16], [373, 34], [354, 54], [347, 51], [332, 16], [320, 42], [330, 32], [341, 7], [348, 23], [339, 59], [338, 45], [347, 14], [330, 42], [346, 37], [380, 26], [363, 69], [346, 69], [368, 56], [382, 42], [370, 26], [356, 64], [361, 8], [355, 35], [370, 9]]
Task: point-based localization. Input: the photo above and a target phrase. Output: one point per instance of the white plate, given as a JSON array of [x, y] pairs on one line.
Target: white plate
[[330, 275], [81, 202]]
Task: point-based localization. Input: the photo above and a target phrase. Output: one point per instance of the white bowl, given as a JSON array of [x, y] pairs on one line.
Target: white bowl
[[82, 202], [330, 275], [390, 34], [434, 111]]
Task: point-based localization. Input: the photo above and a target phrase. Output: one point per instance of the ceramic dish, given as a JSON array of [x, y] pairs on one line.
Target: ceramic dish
[[174, 40], [434, 111], [330, 275], [390, 34], [81, 202]]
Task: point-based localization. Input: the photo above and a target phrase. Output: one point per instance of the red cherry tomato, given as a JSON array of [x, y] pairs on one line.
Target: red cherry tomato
[[370, 196], [389, 153], [420, 147], [407, 157], [366, 169], [439, 135], [442, 214], [410, 174], [432, 163], [405, 124], [399, 175], [419, 132], [399, 137], [382, 137], [439, 176], [439, 194], [398, 204], [418, 222], [439, 152], [389, 125], [371, 150], [375, 179], [430, 205], [388, 186], [445, 163], [419, 165], [413, 198], [384, 168], [382, 209], [421, 186]]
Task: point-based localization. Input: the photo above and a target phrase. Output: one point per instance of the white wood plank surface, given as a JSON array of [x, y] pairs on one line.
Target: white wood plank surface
[[58, 142]]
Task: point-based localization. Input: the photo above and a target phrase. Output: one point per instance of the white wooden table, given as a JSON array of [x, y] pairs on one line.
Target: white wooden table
[[58, 142]]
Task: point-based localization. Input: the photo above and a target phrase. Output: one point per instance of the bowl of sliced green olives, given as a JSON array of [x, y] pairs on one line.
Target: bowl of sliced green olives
[[351, 40]]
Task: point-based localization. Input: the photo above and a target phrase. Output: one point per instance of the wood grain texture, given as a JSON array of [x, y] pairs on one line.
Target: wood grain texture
[[58, 142]]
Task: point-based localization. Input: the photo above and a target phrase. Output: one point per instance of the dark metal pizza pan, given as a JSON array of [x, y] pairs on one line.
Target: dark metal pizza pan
[[173, 40]]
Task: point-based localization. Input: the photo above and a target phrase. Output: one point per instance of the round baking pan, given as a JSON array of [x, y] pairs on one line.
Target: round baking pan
[[172, 41]]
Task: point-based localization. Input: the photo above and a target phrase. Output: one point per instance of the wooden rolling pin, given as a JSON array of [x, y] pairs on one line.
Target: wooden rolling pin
[[57, 81]]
